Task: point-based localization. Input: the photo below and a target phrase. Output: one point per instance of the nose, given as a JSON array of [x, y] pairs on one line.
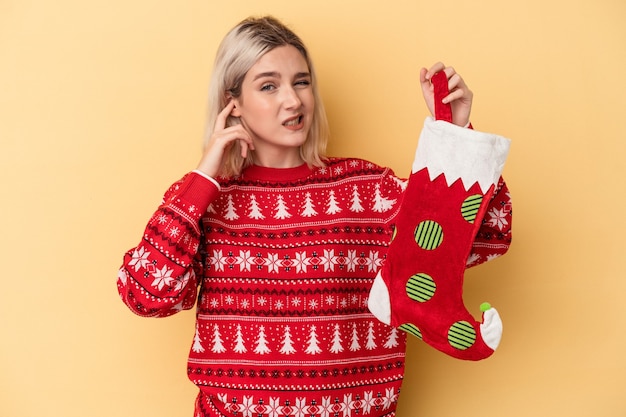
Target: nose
[[291, 99]]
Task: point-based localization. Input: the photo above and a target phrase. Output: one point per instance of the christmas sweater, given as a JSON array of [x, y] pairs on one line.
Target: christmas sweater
[[279, 264]]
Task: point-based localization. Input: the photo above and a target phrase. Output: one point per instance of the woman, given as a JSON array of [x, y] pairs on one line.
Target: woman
[[279, 245]]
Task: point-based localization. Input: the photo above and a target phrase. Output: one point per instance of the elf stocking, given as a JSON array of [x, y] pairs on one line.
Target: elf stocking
[[419, 289]]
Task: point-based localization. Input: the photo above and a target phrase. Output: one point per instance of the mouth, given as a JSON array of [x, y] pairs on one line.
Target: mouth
[[294, 123]]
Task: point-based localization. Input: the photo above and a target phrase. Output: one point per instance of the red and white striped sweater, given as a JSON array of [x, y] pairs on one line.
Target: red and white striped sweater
[[280, 263]]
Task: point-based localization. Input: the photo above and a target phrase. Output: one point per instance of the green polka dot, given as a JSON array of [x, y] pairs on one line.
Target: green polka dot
[[469, 208], [412, 329], [428, 235], [461, 335], [420, 287]]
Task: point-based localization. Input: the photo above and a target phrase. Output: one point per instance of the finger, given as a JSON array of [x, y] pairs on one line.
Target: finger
[[220, 121], [454, 95], [435, 68], [455, 82], [424, 81]]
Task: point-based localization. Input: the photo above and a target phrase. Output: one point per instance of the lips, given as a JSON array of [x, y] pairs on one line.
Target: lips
[[294, 123]]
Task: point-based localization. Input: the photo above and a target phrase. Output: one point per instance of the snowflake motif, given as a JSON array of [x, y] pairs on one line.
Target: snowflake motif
[[162, 277], [273, 263], [323, 171], [354, 163], [313, 304], [244, 260], [261, 301], [365, 301], [174, 232], [373, 261], [338, 170], [354, 299], [278, 305], [181, 282], [162, 219], [140, 258], [214, 302], [296, 302], [330, 300], [192, 209], [497, 218], [344, 302], [328, 260], [245, 304], [352, 260], [301, 262], [369, 165], [229, 300]]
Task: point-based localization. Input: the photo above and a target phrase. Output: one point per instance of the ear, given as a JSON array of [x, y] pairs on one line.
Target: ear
[[235, 111]]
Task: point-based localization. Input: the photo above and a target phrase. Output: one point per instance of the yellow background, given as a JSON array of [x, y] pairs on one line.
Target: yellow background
[[102, 106]]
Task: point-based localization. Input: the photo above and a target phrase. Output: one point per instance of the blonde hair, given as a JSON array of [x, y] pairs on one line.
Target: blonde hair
[[238, 52]]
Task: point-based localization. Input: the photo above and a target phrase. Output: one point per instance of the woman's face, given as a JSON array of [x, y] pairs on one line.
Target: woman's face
[[276, 106]]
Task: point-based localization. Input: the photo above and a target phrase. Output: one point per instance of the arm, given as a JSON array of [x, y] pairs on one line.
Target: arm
[[160, 276]]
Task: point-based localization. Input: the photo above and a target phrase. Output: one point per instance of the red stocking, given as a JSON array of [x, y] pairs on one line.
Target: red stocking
[[419, 289]]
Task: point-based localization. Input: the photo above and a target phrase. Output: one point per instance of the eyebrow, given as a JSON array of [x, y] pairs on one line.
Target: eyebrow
[[275, 74]]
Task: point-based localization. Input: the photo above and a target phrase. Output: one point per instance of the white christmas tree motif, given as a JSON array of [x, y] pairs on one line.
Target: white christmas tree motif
[[392, 340], [255, 210], [231, 213], [197, 342], [354, 345], [240, 347], [492, 256], [371, 338], [473, 258], [281, 209], [313, 344], [336, 346], [401, 183], [381, 204], [356, 200], [211, 209], [333, 207], [218, 343], [308, 206], [261, 343], [287, 343]]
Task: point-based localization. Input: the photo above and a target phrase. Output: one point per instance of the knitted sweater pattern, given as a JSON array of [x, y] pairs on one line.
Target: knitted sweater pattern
[[279, 264]]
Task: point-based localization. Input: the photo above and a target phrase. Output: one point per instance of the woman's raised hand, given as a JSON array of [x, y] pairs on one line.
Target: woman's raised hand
[[460, 97], [221, 140]]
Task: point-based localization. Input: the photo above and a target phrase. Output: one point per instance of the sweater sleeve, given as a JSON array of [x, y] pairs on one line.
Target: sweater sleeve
[[494, 236], [160, 276]]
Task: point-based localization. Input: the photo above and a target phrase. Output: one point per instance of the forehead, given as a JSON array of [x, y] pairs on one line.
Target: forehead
[[283, 61]]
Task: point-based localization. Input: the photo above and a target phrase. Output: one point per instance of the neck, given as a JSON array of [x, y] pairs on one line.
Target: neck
[[290, 159]]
